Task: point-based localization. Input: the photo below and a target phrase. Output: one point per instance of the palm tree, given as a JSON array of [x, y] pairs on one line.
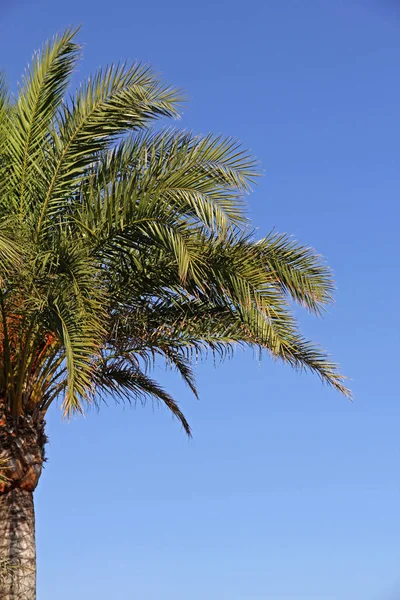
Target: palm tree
[[121, 245]]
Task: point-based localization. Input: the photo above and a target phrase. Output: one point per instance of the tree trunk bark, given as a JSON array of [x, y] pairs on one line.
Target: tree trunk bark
[[17, 546], [22, 444]]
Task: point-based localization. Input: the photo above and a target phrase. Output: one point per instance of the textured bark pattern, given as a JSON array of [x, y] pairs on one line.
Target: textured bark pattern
[[22, 444], [17, 546]]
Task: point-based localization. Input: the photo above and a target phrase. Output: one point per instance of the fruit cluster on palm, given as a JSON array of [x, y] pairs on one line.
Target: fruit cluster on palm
[[122, 244]]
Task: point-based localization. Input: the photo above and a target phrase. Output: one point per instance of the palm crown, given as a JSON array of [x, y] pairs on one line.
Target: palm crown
[[120, 243]]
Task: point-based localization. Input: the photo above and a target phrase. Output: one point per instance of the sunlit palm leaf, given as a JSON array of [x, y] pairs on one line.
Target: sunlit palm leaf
[[40, 96], [122, 246]]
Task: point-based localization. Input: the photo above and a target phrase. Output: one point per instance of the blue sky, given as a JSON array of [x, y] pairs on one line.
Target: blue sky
[[287, 491]]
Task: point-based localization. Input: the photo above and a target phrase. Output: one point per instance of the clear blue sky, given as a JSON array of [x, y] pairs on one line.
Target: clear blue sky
[[287, 491]]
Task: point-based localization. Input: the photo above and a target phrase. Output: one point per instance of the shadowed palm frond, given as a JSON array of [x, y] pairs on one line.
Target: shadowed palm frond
[[131, 384]]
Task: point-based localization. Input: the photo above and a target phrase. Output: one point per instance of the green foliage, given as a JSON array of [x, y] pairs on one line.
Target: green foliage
[[121, 244]]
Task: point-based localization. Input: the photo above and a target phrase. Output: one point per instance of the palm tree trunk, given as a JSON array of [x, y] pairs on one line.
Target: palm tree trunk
[[21, 457], [17, 546]]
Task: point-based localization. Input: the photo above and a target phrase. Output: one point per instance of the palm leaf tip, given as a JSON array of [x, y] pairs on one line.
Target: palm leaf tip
[[329, 373], [304, 355], [301, 273]]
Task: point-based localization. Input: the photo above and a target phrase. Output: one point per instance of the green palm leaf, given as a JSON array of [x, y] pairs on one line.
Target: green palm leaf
[[122, 246], [42, 92]]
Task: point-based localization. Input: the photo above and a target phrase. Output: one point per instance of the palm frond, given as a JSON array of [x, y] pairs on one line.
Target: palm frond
[[202, 179], [122, 246], [115, 100], [299, 271], [130, 384], [42, 92], [4, 109]]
